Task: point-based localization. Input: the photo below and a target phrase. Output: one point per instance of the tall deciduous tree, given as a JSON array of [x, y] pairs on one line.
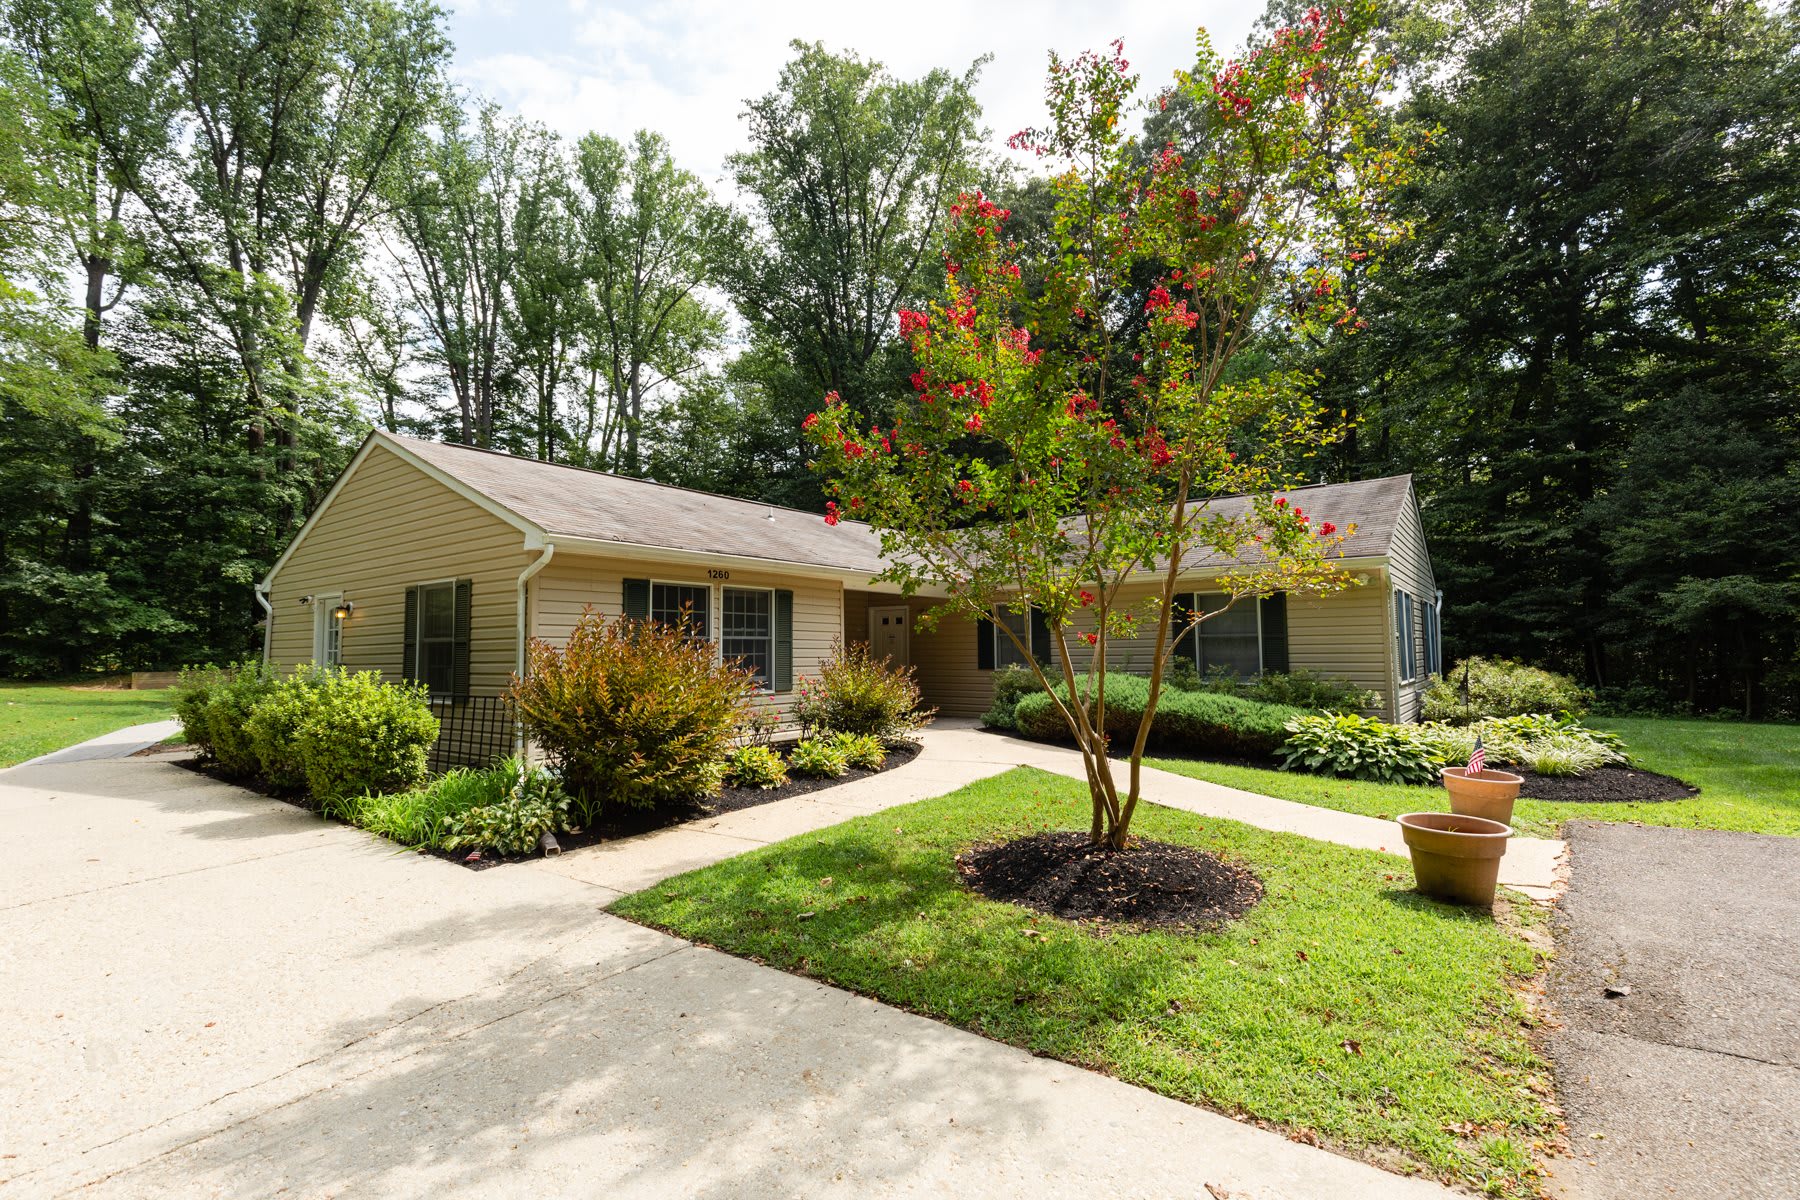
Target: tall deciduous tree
[[651, 239], [1029, 469]]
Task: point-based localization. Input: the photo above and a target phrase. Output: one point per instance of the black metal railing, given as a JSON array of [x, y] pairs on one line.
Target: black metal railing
[[472, 731]]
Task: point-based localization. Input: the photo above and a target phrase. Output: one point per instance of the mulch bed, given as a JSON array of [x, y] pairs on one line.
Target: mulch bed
[[1605, 785], [1153, 883], [634, 821], [628, 823]]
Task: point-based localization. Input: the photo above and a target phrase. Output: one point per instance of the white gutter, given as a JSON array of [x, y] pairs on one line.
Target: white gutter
[[542, 561], [262, 598]]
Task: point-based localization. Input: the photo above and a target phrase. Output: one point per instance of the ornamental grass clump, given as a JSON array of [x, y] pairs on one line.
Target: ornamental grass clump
[[855, 692], [631, 712]]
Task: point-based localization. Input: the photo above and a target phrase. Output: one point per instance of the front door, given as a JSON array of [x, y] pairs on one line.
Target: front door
[[888, 633]]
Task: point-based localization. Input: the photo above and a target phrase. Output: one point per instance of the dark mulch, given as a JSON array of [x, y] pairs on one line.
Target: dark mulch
[[1153, 883], [631, 822], [1606, 785], [628, 822]]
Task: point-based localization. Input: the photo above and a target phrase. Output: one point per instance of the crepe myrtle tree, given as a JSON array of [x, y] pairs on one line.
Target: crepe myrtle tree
[[1063, 440]]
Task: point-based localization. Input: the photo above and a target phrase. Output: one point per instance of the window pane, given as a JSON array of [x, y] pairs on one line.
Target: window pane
[[747, 627], [1229, 636], [1019, 621], [438, 661], [1237, 655], [685, 605], [437, 611], [1238, 620]]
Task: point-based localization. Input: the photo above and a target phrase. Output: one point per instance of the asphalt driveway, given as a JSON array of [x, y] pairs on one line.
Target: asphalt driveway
[[1677, 981], [208, 993]]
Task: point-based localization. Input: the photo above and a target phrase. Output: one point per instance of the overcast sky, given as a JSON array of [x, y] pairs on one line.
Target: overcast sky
[[685, 69]]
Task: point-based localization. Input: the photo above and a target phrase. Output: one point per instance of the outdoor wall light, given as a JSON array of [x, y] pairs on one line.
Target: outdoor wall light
[[306, 599], [343, 610]]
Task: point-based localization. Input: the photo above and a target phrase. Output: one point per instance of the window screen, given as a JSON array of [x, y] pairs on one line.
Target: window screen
[[437, 637], [747, 630], [1019, 621], [1229, 639]]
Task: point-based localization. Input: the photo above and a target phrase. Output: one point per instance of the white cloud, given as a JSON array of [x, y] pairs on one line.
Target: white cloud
[[685, 69]]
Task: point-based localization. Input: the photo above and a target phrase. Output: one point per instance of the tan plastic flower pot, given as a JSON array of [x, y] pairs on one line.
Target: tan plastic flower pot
[[1487, 794], [1455, 857]]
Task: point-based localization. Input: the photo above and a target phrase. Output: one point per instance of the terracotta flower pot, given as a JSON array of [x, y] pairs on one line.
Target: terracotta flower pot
[[1455, 857], [1487, 794]]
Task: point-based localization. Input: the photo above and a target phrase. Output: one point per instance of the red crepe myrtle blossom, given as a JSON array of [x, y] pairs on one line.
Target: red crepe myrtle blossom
[[1087, 597], [1326, 529], [811, 420], [1281, 502], [963, 485], [911, 321], [1090, 638], [973, 424], [1159, 298], [831, 512]]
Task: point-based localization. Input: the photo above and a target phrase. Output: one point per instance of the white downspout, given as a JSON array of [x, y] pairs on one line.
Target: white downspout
[[262, 598], [543, 560], [1437, 629]]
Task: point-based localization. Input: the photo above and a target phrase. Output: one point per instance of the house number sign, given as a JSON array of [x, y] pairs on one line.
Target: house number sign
[[715, 573]]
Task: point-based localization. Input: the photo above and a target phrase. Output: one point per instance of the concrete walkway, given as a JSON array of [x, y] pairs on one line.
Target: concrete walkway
[[120, 743], [208, 993]]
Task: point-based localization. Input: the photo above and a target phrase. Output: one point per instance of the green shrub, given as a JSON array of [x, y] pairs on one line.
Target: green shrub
[[363, 735], [855, 692], [755, 766], [820, 757], [1011, 684], [1309, 689], [1357, 747], [228, 711], [861, 750], [532, 805], [632, 712], [421, 816], [192, 693], [1500, 687], [1185, 722], [274, 726]]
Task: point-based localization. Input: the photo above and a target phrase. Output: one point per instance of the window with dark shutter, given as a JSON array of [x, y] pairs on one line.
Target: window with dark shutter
[[1274, 633], [1181, 625], [409, 655], [784, 642], [459, 650], [636, 598], [439, 620], [984, 644]]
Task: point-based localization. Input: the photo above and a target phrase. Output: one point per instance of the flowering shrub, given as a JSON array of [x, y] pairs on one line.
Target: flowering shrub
[[755, 766], [631, 712], [855, 692], [861, 750], [362, 735], [1500, 687], [1189, 722], [1030, 465], [1356, 747], [820, 757]]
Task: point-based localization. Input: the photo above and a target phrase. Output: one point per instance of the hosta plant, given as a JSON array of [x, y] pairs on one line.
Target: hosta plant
[[861, 750], [821, 758], [755, 766], [1355, 747]]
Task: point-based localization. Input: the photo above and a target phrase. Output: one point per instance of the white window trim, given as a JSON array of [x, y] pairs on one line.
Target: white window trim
[[323, 604], [418, 630], [719, 641], [712, 605], [998, 633], [1198, 625]]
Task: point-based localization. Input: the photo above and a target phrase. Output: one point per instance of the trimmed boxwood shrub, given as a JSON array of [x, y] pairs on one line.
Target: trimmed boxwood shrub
[[192, 693], [362, 735], [240, 690], [632, 712], [1501, 687], [273, 726], [1185, 722]]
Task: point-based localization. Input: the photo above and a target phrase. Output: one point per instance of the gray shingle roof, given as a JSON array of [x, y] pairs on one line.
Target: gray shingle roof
[[614, 508], [636, 512]]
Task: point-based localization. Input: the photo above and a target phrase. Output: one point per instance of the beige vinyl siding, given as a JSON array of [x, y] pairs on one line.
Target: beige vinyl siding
[[389, 527], [1410, 569], [562, 590], [943, 660], [1344, 634]]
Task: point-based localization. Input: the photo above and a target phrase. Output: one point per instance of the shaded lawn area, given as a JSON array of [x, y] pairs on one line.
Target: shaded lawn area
[[1344, 1007], [36, 718], [1748, 776]]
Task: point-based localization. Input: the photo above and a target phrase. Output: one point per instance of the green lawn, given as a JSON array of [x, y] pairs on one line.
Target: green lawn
[[36, 718], [1344, 1005], [1748, 776]]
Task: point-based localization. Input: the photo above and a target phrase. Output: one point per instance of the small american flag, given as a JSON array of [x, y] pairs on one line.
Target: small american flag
[[1477, 758]]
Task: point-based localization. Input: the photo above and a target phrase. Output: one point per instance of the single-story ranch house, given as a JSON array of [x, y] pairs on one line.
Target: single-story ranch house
[[436, 562]]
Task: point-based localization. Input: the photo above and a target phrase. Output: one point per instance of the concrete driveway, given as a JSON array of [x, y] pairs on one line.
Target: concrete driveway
[[208, 993]]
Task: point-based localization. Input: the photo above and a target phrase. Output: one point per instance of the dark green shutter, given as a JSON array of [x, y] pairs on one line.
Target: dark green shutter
[[459, 662], [409, 656], [637, 598], [1040, 636], [984, 644], [1187, 636], [783, 671], [1274, 633]]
